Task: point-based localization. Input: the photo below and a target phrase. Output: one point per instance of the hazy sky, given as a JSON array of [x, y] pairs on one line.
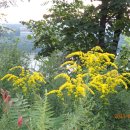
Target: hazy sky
[[27, 10]]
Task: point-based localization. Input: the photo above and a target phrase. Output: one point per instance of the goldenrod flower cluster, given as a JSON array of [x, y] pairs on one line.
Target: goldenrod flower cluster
[[25, 80], [74, 86], [94, 70], [95, 61]]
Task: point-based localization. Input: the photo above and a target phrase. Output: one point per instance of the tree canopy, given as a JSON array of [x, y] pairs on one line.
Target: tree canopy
[[75, 26]]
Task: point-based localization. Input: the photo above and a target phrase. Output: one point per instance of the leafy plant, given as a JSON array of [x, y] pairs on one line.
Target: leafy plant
[[11, 56], [123, 58], [41, 116]]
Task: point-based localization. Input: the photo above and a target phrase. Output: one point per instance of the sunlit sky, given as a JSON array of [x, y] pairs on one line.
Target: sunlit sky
[[25, 11]]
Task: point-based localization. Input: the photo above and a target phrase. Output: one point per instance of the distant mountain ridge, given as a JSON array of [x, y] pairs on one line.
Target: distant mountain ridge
[[20, 32]]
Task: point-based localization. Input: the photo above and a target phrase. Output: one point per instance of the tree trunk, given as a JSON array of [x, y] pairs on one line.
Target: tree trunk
[[117, 32], [116, 40], [102, 24]]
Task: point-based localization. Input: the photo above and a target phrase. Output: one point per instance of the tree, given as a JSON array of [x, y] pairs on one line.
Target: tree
[[74, 26], [115, 15]]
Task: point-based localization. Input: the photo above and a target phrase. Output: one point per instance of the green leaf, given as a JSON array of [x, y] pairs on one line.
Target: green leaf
[[29, 37]]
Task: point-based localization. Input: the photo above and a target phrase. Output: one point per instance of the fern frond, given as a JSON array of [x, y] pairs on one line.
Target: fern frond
[[41, 117]]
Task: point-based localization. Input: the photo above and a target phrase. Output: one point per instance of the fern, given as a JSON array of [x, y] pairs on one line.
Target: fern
[[83, 117], [20, 107], [36, 116], [41, 115]]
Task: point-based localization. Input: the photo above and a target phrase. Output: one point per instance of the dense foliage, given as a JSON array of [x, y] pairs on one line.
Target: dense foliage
[[85, 97], [73, 26]]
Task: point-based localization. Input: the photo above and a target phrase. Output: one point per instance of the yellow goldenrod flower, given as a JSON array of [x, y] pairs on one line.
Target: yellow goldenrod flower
[[25, 80], [79, 53], [68, 63], [92, 70], [97, 48], [63, 75]]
